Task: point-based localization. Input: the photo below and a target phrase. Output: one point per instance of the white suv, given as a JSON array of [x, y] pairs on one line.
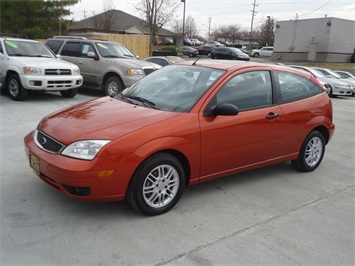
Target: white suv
[[264, 51], [29, 65]]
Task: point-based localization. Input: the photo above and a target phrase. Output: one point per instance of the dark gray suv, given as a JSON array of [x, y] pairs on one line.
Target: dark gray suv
[[106, 65]]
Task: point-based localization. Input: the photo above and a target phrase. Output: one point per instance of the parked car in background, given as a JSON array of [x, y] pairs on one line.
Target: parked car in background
[[164, 60], [182, 125], [230, 53], [196, 42], [264, 51], [29, 65], [187, 42], [331, 74], [225, 43], [190, 52], [205, 50], [348, 76], [336, 87], [105, 65], [215, 44]]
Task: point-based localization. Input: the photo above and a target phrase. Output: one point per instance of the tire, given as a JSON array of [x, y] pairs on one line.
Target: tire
[[256, 55], [191, 55], [113, 86], [69, 93], [311, 153], [157, 184], [209, 55], [330, 94], [15, 88]]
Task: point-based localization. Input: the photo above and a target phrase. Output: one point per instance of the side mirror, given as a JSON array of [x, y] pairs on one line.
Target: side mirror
[[137, 56], [223, 109], [91, 54], [59, 56]]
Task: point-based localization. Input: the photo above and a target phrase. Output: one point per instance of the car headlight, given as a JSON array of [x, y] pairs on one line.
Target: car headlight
[[84, 149], [32, 70], [76, 71], [135, 71]]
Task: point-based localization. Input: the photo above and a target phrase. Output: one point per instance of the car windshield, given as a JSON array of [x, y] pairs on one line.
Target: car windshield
[[26, 49], [174, 88], [114, 50]]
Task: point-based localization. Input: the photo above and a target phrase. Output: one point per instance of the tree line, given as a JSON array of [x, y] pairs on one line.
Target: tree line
[[35, 18]]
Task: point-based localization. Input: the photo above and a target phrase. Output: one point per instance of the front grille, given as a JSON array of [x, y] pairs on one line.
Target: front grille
[[47, 143], [56, 72], [147, 71]]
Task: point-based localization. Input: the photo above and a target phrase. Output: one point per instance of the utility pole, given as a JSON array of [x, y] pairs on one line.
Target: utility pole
[[209, 28], [253, 13], [183, 21]]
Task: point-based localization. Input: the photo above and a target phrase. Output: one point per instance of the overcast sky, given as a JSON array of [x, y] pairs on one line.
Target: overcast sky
[[227, 12]]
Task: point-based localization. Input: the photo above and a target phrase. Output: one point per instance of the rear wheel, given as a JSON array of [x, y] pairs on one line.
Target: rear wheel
[[191, 54], [15, 88], [311, 153], [157, 184], [69, 93], [113, 86]]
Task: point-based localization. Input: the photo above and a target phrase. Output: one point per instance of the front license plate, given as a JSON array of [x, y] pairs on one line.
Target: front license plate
[[34, 163]]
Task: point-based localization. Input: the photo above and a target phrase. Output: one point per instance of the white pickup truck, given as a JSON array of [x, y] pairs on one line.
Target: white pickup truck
[[29, 65]]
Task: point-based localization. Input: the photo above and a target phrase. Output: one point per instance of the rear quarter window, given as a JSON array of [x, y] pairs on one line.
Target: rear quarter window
[[294, 87]]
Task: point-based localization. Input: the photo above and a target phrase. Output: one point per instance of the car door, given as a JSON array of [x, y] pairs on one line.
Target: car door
[[2, 65], [251, 136]]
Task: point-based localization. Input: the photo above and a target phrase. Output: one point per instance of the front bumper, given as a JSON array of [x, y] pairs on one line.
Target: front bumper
[[51, 83], [82, 179]]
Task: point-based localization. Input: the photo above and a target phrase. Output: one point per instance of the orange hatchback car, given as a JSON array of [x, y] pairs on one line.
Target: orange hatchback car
[[182, 125]]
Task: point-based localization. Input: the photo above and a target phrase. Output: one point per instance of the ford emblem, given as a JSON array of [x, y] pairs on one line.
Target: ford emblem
[[42, 140], [58, 71]]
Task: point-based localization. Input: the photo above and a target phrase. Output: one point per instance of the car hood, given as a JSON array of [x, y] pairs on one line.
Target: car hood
[[42, 62], [104, 118], [133, 63]]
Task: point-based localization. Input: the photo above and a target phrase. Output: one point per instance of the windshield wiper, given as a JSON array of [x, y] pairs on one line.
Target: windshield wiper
[[113, 56], [40, 55], [143, 100]]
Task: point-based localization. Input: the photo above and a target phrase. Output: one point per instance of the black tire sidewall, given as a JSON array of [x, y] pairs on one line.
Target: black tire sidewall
[[135, 193], [22, 92], [69, 93]]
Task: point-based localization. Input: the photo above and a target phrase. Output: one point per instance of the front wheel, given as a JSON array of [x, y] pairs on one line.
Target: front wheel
[[113, 86], [15, 88], [256, 55], [191, 55], [311, 153], [157, 184], [69, 93]]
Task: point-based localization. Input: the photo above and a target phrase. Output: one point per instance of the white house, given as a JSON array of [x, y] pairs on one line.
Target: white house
[[318, 40]]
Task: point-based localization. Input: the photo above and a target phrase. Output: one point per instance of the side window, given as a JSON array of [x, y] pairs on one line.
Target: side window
[[1, 51], [161, 62], [295, 87], [72, 49], [85, 48], [248, 90], [54, 45]]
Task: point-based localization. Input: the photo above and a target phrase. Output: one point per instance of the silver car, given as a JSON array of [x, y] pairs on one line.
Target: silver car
[[106, 65], [337, 87]]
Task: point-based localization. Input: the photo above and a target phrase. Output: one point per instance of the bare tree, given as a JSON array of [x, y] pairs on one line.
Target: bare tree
[[234, 33], [267, 32], [157, 13], [95, 20], [190, 27], [107, 15]]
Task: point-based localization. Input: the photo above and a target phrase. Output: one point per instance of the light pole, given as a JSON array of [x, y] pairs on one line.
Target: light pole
[[183, 22], [269, 31]]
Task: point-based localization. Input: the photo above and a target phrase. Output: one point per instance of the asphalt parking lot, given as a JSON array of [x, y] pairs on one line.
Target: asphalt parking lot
[[270, 216]]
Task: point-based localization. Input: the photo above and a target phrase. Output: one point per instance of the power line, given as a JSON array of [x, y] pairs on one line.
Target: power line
[[316, 9]]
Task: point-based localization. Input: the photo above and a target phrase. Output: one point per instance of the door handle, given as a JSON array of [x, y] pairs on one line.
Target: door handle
[[272, 115]]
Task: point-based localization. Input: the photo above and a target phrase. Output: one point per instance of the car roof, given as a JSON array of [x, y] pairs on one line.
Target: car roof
[[17, 39], [231, 64]]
